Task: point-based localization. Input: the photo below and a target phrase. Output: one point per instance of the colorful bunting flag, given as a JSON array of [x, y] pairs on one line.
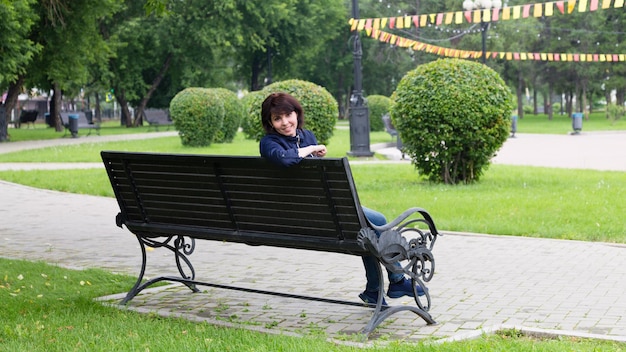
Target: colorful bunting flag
[[374, 26], [517, 56], [488, 15]]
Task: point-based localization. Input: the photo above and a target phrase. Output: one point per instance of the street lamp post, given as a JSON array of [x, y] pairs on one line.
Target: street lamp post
[[471, 5], [359, 112]]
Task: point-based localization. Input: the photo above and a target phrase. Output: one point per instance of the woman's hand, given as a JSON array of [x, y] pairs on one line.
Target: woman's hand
[[321, 151], [318, 150]]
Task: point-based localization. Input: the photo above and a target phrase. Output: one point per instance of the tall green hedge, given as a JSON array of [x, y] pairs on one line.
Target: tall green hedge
[[320, 108], [452, 115], [198, 114]]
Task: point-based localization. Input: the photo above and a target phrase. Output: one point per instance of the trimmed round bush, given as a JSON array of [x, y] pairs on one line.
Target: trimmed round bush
[[320, 108], [233, 114], [198, 114], [251, 124], [378, 105], [452, 116]]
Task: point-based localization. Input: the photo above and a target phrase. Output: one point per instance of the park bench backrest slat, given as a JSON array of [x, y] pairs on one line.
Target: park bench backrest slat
[[313, 205]]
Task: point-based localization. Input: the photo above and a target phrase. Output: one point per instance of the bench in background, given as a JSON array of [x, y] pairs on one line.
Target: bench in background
[[158, 117], [85, 121], [172, 200], [393, 132], [28, 117]]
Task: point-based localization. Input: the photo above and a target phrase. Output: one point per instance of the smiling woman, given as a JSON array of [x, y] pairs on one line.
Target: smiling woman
[[285, 141]]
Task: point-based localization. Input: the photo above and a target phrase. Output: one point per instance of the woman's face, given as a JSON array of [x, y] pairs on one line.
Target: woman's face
[[286, 124]]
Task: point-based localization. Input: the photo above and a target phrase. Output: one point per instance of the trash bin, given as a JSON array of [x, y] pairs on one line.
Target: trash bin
[[73, 123], [48, 119], [577, 122], [513, 125]]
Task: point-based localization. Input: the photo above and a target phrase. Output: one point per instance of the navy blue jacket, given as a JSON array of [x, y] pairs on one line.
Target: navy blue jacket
[[283, 150]]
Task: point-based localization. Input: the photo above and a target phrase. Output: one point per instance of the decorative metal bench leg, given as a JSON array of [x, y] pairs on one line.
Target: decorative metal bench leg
[[378, 315], [181, 250], [137, 287], [383, 312]]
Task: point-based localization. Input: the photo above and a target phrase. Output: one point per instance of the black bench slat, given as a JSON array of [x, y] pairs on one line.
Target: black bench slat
[[249, 217]]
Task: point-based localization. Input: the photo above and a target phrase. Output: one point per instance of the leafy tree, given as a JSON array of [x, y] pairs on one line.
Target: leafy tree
[[70, 40], [178, 49], [325, 59], [286, 33], [16, 50]]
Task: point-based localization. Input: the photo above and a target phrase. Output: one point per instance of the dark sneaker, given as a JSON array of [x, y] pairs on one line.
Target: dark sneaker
[[403, 288], [371, 297]]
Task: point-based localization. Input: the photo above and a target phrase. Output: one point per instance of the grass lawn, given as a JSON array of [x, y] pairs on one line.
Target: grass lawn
[[47, 308]]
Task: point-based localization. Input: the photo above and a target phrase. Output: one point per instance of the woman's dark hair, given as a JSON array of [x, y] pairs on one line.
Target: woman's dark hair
[[280, 104]]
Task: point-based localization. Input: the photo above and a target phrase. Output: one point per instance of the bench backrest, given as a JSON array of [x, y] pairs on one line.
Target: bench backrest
[[157, 115], [28, 116], [313, 205], [82, 117], [389, 128]]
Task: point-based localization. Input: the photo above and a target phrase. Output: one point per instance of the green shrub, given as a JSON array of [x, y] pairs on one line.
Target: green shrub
[[320, 108], [615, 112], [251, 123], [233, 114], [198, 114], [378, 105], [452, 116], [527, 109]]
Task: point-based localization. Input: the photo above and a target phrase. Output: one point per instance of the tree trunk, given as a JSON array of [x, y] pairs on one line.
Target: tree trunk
[[127, 118], [583, 108], [520, 95], [9, 104], [620, 96], [535, 110], [55, 107], [256, 72], [570, 103], [548, 101], [139, 111], [98, 109]]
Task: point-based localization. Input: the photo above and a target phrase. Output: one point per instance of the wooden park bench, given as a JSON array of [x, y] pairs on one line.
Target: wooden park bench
[[158, 117], [83, 123], [172, 200]]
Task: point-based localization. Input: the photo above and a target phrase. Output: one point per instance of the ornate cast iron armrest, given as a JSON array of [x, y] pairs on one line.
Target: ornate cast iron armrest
[[407, 222], [392, 247]]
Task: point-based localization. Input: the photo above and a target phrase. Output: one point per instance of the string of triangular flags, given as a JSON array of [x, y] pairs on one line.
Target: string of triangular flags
[[468, 54], [546, 9]]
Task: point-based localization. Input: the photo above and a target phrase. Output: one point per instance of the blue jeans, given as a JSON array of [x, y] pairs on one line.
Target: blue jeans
[[370, 262]]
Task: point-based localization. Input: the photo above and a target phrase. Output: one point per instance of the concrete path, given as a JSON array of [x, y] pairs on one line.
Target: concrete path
[[483, 282]]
